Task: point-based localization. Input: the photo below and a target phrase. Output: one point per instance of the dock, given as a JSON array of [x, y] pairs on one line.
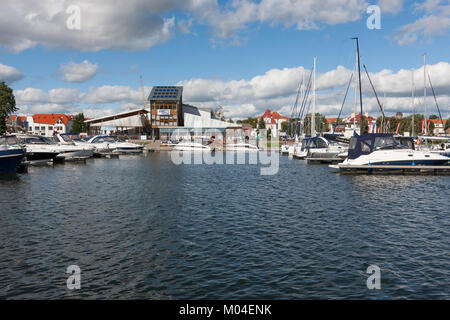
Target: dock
[[393, 169], [107, 155], [323, 160]]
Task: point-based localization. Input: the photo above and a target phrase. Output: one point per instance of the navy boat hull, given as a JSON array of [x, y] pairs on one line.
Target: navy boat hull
[[10, 160]]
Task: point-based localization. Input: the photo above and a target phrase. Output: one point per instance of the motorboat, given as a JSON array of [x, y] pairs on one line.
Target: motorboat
[[241, 147], [103, 143], [320, 148], [38, 148], [284, 149], [192, 146], [11, 154], [384, 149], [48, 148]]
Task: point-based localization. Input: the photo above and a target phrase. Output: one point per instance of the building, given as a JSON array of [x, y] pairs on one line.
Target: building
[[48, 124], [273, 121], [166, 108], [131, 122], [439, 128]]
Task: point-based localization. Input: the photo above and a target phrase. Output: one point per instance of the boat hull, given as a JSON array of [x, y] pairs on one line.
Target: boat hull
[[10, 160]]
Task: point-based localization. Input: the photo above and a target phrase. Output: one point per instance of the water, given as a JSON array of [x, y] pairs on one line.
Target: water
[[141, 227]]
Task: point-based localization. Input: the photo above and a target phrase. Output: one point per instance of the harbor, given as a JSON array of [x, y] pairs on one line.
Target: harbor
[[224, 159]]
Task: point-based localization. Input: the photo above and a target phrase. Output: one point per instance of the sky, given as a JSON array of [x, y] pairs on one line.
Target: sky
[[71, 56]]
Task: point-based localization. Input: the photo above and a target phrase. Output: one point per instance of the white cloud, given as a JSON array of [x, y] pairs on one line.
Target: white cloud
[[390, 6], [436, 21], [141, 24], [129, 25], [276, 90], [81, 72], [9, 74]]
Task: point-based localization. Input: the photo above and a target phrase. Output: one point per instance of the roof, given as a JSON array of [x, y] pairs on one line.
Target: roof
[[438, 121], [331, 120], [22, 118], [166, 93], [358, 117], [273, 115], [121, 115], [50, 118]]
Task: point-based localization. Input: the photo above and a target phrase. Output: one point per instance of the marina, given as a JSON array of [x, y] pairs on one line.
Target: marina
[[220, 157]]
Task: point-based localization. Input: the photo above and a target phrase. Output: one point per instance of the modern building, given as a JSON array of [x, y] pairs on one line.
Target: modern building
[[166, 108], [131, 122]]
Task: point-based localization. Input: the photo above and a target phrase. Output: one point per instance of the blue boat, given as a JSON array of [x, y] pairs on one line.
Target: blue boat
[[11, 154]]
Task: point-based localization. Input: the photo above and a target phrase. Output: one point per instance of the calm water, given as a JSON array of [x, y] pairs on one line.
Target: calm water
[[142, 227]]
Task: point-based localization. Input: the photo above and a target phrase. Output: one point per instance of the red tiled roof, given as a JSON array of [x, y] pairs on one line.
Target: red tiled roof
[[267, 114], [358, 117], [22, 118], [331, 120], [51, 118], [438, 121]]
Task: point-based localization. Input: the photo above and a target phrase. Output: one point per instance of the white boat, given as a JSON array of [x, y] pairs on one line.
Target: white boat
[[104, 143], [384, 149], [284, 149], [242, 147], [192, 146], [43, 148], [321, 148]]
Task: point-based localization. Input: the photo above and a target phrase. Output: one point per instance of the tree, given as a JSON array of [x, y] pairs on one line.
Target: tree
[[78, 124], [261, 124], [447, 124], [7, 105], [284, 126], [433, 116], [230, 121]]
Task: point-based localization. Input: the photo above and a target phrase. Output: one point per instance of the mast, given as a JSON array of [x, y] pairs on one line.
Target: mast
[[412, 95], [313, 111], [425, 90], [360, 91], [143, 95]]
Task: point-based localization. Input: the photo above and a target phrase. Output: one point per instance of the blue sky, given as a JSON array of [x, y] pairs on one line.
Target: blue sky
[[233, 58]]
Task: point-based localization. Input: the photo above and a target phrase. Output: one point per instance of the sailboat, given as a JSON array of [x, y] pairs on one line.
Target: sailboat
[[382, 148]]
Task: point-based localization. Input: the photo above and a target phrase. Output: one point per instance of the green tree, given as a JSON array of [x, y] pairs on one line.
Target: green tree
[[447, 124], [78, 124], [261, 124], [230, 121], [284, 126], [7, 105], [433, 116]]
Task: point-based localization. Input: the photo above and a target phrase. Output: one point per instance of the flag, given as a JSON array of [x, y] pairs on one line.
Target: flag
[[423, 126], [396, 130], [388, 126]]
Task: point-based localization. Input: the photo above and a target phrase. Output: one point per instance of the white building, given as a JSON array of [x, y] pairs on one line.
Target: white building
[[47, 124]]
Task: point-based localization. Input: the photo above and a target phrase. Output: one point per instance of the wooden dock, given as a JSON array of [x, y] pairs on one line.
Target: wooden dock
[[393, 169]]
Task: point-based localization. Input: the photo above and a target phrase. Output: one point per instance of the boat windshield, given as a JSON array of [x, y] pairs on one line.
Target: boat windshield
[[33, 140], [8, 141], [68, 137], [105, 139], [387, 142]]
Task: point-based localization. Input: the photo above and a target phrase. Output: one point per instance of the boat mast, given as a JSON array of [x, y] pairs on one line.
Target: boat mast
[[425, 90], [360, 91], [412, 95], [313, 111]]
